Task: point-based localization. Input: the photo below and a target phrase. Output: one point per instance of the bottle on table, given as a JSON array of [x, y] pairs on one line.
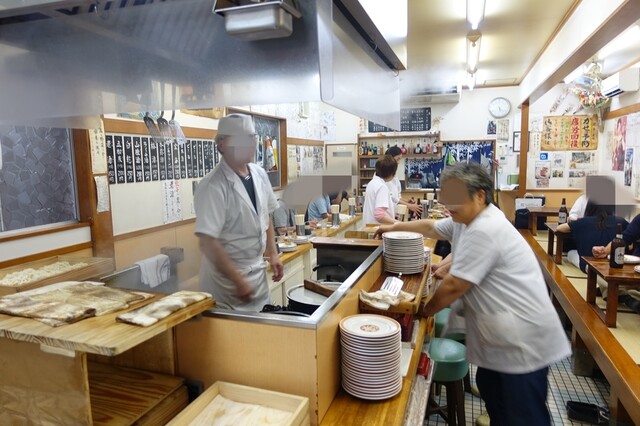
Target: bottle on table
[[616, 257], [562, 213]]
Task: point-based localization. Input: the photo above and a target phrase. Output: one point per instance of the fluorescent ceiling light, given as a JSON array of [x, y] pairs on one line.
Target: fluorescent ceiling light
[[473, 50], [475, 12], [626, 39]]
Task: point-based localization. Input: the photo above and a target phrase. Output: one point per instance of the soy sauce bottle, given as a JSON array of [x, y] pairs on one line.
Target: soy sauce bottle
[[562, 213], [616, 257]]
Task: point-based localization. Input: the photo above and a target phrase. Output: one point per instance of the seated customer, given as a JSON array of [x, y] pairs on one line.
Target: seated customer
[[578, 209], [378, 205], [319, 208], [597, 227], [283, 218]]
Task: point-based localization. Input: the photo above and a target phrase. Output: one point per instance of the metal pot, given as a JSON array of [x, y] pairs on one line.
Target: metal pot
[[303, 300]]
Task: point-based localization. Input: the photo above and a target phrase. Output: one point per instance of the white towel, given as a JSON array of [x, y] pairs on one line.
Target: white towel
[[154, 270]]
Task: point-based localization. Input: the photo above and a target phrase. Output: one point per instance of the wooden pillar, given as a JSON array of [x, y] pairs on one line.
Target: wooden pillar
[[583, 362], [619, 414], [101, 224], [524, 148]]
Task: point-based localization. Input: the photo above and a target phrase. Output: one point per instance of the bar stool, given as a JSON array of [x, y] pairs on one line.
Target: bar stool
[[441, 319], [451, 367]]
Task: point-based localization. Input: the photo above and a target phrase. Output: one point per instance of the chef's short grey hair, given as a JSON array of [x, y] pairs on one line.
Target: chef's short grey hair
[[474, 176]]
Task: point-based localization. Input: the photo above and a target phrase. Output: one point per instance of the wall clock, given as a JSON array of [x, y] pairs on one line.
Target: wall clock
[[499, 107]]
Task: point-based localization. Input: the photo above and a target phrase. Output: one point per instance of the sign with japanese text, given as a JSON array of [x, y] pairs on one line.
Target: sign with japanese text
[[569, 133]]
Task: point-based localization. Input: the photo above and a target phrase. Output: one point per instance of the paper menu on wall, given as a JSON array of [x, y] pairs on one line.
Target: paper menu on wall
[[98, 150], [102, 193], [171, 202]]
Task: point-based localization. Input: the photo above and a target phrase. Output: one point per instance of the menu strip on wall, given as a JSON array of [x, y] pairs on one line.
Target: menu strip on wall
[[175, 152], [162, 160], [569, 133], [200, 159], [153, 154], [119, 155], [128, 159], [137, 159], [169, 160], [146, 160], [189, 163], [111, 162], [183, 161]]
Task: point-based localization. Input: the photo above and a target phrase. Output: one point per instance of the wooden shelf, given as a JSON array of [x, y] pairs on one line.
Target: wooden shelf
[[399, 135], [123, 396]]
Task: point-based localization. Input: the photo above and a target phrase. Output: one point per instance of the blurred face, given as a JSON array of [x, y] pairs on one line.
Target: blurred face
[[462, 208], [239, 149]]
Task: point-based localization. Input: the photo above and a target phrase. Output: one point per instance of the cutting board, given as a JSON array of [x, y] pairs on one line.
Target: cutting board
[[96, 267]]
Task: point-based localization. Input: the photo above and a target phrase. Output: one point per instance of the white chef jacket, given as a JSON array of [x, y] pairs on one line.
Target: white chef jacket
[[225, 212], [396, 190], [512, 327]]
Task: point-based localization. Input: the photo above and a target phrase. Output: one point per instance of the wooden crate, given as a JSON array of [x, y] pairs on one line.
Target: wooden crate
[[297, 405], [96, 267]]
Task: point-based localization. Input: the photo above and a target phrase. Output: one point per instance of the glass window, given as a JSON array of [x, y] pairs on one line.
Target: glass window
[[36, 177]]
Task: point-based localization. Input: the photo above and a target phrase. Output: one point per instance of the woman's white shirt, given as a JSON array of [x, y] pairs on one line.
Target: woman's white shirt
[[377, 195]]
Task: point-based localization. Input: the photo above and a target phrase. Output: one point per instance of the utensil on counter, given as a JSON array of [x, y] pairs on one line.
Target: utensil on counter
[[302, 300], [393, 285]]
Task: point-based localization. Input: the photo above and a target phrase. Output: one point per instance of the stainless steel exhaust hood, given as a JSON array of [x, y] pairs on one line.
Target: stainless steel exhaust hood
[[62, 60]]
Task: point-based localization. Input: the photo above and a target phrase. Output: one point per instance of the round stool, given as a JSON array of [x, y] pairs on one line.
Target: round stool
[[442, 318], [451, 367]]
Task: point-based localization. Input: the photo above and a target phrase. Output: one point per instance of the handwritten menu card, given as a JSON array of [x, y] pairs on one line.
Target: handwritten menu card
[[569, 133]]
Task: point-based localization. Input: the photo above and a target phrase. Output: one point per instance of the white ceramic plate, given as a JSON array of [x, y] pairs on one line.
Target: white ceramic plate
[[402, 235], [369, 325], [630, 259], [286, 248], [637, 269]]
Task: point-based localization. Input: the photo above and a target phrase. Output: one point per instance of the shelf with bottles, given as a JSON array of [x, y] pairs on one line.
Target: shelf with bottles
[[420, 145]]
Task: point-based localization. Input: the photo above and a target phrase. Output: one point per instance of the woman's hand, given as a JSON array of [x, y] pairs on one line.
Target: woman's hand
[[599, 251], [415, 208], [382, 229]]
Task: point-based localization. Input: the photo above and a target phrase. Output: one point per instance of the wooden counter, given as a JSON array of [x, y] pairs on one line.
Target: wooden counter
[[46, 376], [344, 226], [348, 410]]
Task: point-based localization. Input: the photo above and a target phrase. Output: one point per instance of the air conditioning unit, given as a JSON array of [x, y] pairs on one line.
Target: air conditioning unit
[[624, 81]]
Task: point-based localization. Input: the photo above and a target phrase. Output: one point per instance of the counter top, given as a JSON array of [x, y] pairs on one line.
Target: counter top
[[348, 410], [330, 232], [99, 335]]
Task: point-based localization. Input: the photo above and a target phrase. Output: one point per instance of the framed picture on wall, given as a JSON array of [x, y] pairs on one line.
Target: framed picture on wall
[[516, 141]]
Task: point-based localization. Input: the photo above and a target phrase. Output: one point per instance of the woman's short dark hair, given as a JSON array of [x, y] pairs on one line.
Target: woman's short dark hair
[[393, 151], [602, 212], [386, 167]]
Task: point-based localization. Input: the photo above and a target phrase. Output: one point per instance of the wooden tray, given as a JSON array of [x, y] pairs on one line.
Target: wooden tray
[[123, 396], [297, 405], [413, 284], [96, 267]]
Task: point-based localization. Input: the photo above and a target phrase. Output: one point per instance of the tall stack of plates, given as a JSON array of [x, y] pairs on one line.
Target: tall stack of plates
[[371, 352], [403, 252]]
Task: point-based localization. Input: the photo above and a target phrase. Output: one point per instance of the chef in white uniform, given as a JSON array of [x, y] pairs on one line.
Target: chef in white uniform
[[233, 204], [513, 331]]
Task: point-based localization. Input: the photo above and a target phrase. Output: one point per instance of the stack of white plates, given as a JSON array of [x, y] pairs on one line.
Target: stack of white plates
[[371, 352], [403, 252]]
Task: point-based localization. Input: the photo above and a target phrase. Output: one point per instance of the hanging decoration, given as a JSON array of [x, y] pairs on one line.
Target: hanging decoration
[[588, 90]]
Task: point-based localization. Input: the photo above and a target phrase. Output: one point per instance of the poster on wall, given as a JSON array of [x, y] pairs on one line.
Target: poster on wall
[[491, 127], [557, 164], [569, 133], [628, 166], [328, 124], [633, 130], [98, 150], [502, 130], [111, 161], [618, 144], [171, 206], [542, 174]]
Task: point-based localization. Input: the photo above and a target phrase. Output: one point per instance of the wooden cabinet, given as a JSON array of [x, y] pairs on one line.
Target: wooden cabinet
[[429, 144]]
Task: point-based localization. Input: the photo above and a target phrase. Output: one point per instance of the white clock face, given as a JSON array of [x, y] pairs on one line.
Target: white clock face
[[499, 107]]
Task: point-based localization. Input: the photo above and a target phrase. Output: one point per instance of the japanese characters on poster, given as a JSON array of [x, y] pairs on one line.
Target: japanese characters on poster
[[569, 133], [171, 206]]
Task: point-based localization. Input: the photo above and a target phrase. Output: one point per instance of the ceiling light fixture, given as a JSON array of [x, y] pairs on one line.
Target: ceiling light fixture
[[473, 50], [475, 12]]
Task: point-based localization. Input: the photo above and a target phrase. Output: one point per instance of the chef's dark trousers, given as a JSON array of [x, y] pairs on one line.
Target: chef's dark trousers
[[515, 399]]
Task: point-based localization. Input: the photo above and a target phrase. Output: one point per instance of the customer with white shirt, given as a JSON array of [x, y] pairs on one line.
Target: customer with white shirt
[[578, 208], [378, 204], [513, 331]]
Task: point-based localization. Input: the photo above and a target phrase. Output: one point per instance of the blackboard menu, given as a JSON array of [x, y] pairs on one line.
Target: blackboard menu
[[183, 161], [146, 160], [137, 159], [119, 155], [128, 159], [153, 154], [216, 155], [200, 160], [189, 163], [411, 120], [111, 161], [168, 153], [208, 156], [162, 160], [194, 157]]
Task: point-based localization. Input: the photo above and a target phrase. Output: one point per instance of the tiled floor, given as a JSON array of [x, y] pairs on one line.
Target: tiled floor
[[563, 386]]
